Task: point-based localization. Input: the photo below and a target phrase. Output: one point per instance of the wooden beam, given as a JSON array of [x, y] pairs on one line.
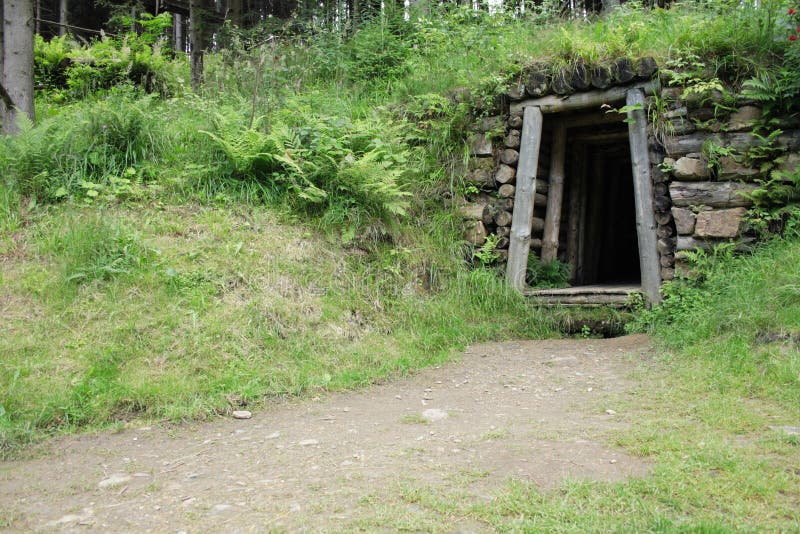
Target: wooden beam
[[643, 193], [600, 138], [520, 237], [575, 216], [594, 119], [552, 222], [590, 99]]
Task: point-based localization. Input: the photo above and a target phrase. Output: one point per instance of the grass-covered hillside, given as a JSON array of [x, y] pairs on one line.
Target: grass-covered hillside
[[170, 254]]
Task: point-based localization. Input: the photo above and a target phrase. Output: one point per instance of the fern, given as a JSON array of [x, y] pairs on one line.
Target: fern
[[778, 89], [347, 170]]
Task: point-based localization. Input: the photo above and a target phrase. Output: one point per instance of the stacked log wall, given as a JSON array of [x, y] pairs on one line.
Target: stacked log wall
[[696, 204], [701, 203], [488, 208]]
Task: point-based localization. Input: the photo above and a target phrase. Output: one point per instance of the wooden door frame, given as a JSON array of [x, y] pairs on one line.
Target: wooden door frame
[[533, 117]]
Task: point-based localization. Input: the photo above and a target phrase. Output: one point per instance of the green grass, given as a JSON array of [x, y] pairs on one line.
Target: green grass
[[700, 415], [123, 312], [142, 278]]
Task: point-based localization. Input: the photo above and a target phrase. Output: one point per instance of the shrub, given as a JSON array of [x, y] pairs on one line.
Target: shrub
[[93, 142], [349, 172], [379, 50]]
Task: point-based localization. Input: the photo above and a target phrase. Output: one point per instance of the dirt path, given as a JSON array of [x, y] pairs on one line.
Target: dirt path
[[532, 410]]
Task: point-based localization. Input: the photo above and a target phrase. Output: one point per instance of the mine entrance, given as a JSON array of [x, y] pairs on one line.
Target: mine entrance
[[597, 161], [599, 223]]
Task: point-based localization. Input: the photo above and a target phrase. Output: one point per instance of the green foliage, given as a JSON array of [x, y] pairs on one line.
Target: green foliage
[[777, 88], [776, 203], [686, 296], [65, 67], [714, 153], [109, 62], [94, 249], [547, 274], [378, 51], [102, 143], [51, 60], [487, 253], [350, 172]]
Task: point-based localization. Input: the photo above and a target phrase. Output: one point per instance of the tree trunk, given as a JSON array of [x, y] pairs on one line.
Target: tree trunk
[[235, 12], [196, 43], [18, 60], [62, 18], [178, 41]]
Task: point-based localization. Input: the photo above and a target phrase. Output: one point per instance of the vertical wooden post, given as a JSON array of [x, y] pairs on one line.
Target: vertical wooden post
[[196, 27], [520, 238], [552, 221], [643, 192], [574, 217], [177, 21]]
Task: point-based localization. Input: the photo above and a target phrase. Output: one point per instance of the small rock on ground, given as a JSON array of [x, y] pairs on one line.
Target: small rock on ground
[[113, 480], [242, 414], [434, 414]]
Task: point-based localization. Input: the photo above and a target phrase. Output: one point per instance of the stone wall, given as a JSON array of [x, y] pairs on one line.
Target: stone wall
[[705, 160], [494, 153], [703, 152]]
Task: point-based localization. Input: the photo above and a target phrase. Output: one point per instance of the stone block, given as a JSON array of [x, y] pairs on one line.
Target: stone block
[[701, 114], [475, 233], [484, 164], [730, 169], [481, 146], [506, 191], [666, 246], [687, 168], [480, 178], [682, 126], [684, 220], [503, 218], [675, 113], [512, 140], [516, 91], [719, 223], [493, 123], [714, 194], [509, 156], [743, 118], [671, 94], [515, 121]]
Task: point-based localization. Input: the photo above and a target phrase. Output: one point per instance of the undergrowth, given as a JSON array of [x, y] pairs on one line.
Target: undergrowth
[[282, 230], [740, 315]]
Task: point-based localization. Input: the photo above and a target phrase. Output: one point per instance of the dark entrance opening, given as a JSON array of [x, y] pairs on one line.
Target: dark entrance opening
[[600, 217]]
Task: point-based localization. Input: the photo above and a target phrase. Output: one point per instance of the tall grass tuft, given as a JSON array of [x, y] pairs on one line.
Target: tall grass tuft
[[91, 248]]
